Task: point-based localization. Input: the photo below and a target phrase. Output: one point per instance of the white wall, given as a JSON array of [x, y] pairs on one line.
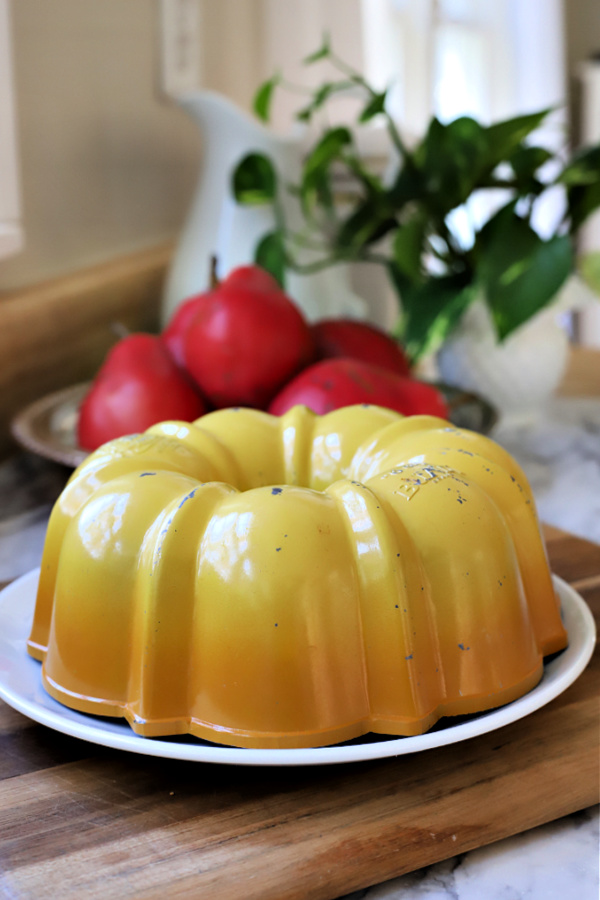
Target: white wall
[[11, 236], [107, 166]]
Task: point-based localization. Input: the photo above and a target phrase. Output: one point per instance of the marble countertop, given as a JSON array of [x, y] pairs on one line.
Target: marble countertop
[[560, 453]]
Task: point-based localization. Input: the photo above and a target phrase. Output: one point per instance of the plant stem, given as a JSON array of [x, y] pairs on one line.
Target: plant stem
[[349, 71], [296, 88], [318, 265], [336, 258], [358, 79], [395, 136], [370, 257]]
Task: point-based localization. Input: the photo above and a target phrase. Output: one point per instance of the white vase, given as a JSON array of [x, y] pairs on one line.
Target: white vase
[[519, 375], [217, 225]]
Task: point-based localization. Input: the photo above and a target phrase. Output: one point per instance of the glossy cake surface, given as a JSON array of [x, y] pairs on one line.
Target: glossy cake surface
[[295, 581]]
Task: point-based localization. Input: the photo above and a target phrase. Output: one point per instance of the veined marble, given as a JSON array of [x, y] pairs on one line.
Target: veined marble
[[557, 861], [560, 453]]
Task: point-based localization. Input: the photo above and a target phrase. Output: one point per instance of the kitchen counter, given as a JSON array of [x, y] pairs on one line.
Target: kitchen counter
[[560, 453]]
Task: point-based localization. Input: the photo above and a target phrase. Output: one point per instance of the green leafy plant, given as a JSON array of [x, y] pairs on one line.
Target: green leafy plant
[[407, 222]]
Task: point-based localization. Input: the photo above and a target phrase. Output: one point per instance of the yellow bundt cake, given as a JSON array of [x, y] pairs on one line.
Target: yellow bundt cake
[[294, 581]]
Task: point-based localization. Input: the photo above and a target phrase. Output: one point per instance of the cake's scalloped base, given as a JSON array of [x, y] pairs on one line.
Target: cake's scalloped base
[[400, 727]]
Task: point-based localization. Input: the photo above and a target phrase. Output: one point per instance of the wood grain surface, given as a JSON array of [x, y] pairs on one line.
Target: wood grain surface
[[582, 376], [80, 821]]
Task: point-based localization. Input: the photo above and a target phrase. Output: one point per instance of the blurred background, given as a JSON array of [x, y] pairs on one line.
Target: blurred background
[[106, 162], [99, 163]]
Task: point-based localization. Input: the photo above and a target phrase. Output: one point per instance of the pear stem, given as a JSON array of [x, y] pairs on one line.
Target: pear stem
[[214, 278], [120, 329]]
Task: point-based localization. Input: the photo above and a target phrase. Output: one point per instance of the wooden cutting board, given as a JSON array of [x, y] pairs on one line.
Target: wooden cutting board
[[79, 821]]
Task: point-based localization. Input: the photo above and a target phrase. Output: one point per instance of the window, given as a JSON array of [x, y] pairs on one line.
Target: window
[[489, 59]]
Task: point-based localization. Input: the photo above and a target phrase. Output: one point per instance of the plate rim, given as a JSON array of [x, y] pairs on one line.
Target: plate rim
[[570, 663], [25, 425]]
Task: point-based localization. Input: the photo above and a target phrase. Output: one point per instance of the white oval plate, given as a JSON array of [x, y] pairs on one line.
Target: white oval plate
[[21, 687]]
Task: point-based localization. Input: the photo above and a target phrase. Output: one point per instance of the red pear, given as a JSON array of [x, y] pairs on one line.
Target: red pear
[[359, 340], [333, 383], [137, 386], [242, 340]]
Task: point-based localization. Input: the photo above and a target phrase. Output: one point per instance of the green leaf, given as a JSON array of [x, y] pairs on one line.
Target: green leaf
[[519, 272], [371, 181], [498, 227], [324, 92], [369, 222], [322, 53], [305, 114], [254, 180], [408, 247], [582, 202], [263, 97], [590, 270], [584, 168], [315, 183], [430, 310], [504, 137], [408, 186], [321, 96], [526, 160], [327, 149], [270, 255], [374, 107], [316, 190], [582, 180], [451, 159]]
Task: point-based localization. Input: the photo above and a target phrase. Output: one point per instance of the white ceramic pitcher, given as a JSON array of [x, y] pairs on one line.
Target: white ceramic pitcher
[[216, 224]]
